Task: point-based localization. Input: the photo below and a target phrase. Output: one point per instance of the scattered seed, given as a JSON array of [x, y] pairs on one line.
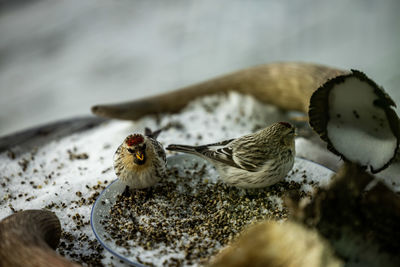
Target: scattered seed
[[186, 214]]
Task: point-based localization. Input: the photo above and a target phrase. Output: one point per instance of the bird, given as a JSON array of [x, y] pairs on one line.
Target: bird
[[140, 161], [255, 160]]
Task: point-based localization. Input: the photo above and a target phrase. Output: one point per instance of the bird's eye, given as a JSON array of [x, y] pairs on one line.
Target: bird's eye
[[131, 150]]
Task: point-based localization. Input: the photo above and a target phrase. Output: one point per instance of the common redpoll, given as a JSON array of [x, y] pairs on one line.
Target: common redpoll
[[255, 160], [140, 161]]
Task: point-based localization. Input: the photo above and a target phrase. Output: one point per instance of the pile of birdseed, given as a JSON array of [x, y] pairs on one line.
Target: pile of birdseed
[[188, 217]]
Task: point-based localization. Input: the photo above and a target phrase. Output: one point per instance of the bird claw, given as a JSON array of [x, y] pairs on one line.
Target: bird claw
[[127, 192], [149, 193]]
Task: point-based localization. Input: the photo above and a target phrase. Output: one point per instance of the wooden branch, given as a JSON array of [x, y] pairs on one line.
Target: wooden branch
[[28, 238], [286, 85]]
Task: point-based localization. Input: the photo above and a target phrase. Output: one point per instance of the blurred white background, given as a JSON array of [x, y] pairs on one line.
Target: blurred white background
[[58, 58]]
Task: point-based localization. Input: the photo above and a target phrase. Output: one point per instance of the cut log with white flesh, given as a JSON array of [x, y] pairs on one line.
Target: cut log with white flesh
[[355, 117]]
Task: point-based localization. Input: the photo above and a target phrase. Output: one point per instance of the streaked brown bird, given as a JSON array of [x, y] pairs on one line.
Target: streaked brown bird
[[140, 161], [255, 160]]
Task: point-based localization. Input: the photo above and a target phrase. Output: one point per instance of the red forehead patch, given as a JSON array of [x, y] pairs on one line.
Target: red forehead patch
[[288, 125], [134, 140]]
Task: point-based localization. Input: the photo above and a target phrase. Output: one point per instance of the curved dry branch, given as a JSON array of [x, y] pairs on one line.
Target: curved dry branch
[[28, 238], [286, 85]]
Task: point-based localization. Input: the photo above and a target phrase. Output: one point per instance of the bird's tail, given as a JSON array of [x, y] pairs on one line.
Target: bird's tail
[[183, 148]]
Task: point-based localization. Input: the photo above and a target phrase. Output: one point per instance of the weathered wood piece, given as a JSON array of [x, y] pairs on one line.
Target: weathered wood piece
[[287, 85], [28, 238]]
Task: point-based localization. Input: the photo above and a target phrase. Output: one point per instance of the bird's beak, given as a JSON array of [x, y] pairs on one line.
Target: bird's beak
[[139, 155]]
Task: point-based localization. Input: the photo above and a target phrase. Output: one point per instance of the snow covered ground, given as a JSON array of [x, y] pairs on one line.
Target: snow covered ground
[[67, 175]]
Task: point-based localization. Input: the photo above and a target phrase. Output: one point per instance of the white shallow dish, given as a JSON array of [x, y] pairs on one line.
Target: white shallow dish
[[107, 198]]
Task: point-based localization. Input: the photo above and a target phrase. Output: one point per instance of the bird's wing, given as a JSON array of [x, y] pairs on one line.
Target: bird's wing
[[223, 152], [216, 145], [159, 149]]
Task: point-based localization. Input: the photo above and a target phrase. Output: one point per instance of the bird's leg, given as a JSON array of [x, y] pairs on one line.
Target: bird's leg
[[127, 192], [149, 192]]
